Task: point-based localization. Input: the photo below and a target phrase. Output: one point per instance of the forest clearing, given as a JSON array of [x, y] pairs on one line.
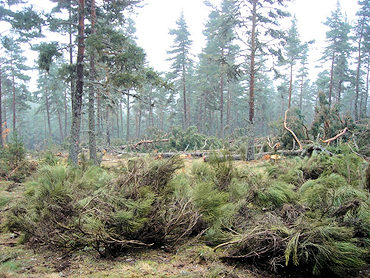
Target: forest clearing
[[188, 138], [182, 217]]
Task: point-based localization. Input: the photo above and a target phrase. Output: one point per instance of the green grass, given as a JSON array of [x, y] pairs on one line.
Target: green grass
[[4, 200]]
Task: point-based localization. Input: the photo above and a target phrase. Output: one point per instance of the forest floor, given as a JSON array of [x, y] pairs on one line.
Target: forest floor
[[191, 260]]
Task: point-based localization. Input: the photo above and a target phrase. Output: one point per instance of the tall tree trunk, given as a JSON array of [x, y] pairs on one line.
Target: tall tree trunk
[[5, 118], [290, 86], [339, 96], [60, 126], [331, 79], [229, 103], [77, 94], [357, 112], [107, 125], [117, 121], [121, 116], [366, 93], [13, 91], [250, 152], [151, 118], [1, 112], [65, 113], [99, 114], [138, 120], [186, 120], [222, 95], [128, 118], [47, 105], [161, 118], [72, 85], [301, 94], [92, 139]]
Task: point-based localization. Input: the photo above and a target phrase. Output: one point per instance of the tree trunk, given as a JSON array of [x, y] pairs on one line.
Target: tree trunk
[[121, 116], [72, 86], [65, 113], [339, 96], [290, 86], [99, 116], [366, 93], [331, 78], [60, 126], [222, 95], [5, 118], [77, 94], [92, 139], [357, 112], [250, 152], [47, 105], [184, 97], [1, 112], [128, 118], [161, 119], [229, 103], [13, 91], [301, 94], [138, 120], [107, 125], [117, 121], [151, 118]]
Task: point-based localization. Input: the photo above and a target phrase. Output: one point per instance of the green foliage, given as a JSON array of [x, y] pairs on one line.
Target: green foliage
[[4, 200], [73, 208], [223, 169], [191, 140], [13, 165]]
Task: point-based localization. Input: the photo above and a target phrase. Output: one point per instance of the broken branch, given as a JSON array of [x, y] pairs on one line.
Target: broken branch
[[335, 137], [291, 131]]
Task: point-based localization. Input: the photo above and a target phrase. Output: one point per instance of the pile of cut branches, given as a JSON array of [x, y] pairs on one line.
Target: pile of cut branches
[[70, 208]]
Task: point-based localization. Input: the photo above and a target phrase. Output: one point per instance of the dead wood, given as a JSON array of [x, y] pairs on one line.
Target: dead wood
[[328, 141], [148, 142], [291, 131]]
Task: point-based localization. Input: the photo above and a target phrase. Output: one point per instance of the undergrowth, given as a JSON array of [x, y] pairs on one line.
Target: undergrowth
[[303, 215]]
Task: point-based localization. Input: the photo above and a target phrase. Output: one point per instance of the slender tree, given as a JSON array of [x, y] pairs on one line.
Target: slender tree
[[260, 20], [180, 61], [78, 93], [337, 52], [92, 140]]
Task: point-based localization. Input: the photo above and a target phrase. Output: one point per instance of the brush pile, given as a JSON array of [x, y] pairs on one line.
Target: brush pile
[[72, 208], [309, 216]]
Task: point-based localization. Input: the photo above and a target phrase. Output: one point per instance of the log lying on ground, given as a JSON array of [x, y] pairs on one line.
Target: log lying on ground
[[148, 142]]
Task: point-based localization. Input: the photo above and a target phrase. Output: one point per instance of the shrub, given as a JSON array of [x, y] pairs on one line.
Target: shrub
[[13, 165]]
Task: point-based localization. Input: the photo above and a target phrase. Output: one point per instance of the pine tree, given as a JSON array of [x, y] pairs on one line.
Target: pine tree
[[180, 53], [14, 68], [262, 19], [363, 49], [337, 52], [218, 58], [78, 92]]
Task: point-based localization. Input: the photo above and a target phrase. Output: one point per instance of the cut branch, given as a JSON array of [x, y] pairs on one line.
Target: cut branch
[[291, 131]]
